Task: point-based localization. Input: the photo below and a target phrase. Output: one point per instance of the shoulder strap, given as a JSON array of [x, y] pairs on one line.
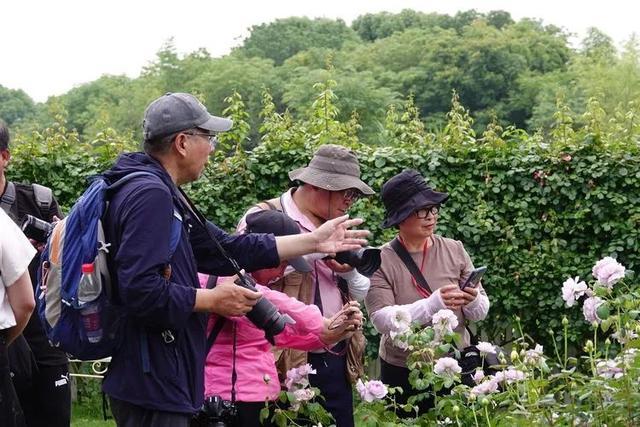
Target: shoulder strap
[[44, 199], [8, 198], [211, 281], [217, 327], [272, 204], [176, 225], [410, 264]]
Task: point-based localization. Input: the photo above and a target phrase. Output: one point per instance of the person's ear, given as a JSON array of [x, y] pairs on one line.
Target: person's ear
[[180, 144], [5, 156]]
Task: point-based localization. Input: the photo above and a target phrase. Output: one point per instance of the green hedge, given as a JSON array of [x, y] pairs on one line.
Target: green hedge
[[530, 207]]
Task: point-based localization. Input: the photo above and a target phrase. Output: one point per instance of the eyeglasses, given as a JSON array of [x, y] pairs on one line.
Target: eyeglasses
[[352, 195], [425, 211], [213, 139]]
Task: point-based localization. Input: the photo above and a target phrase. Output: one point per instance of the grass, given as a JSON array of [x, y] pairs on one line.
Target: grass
[[86, 410], [89, 415]]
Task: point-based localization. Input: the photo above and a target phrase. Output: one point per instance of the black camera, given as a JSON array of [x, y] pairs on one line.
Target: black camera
[[36, 229], [264, 314], [216, 412], [365, 260]]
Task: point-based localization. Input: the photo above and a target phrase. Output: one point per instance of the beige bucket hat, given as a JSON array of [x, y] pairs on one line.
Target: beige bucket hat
[[332, 168]]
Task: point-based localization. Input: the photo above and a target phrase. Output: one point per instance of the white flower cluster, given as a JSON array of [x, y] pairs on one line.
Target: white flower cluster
[[490, 384], [401, 328], [444, 322]]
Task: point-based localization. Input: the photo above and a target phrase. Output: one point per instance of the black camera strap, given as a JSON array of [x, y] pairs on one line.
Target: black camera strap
[[404, 255], [234, 374], [203, 222]]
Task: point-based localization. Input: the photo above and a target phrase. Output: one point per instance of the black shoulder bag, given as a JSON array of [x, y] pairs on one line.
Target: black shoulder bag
[[469, 358]]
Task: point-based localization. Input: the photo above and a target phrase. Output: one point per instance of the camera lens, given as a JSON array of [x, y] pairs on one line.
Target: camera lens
[[365, 260], [36, 229], [265, 314]]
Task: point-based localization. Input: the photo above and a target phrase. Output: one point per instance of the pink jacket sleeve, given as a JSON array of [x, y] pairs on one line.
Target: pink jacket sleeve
[[305, 333]]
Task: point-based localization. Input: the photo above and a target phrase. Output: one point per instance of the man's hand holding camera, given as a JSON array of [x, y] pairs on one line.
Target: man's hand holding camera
[[226, 299]]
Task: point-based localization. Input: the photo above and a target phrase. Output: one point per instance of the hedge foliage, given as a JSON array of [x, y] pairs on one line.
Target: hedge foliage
[[530, 207]]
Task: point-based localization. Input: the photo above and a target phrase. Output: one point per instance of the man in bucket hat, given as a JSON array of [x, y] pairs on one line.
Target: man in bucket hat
[[329, 185], [413, 207]]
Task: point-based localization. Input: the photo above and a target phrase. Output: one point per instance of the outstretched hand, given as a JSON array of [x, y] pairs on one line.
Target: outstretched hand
[[334, 235]]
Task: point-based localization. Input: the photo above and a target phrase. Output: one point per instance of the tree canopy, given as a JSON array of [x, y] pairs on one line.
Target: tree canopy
[[506, 72]]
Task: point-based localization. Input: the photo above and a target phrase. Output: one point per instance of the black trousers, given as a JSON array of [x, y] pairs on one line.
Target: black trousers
[[249, 415], [396, 376], [129, 415], [10, 411], [331, 379], [46, 397]]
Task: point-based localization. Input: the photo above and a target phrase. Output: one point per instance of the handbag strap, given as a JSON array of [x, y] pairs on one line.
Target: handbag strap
[[410, 264]]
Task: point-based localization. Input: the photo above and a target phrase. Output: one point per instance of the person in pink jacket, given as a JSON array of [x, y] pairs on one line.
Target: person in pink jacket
[[254, 363]]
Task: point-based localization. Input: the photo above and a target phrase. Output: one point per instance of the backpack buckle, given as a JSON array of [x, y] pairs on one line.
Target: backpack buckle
[[168, 337]]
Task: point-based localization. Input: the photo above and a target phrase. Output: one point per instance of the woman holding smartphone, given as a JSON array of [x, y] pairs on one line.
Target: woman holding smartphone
[[413, 208]]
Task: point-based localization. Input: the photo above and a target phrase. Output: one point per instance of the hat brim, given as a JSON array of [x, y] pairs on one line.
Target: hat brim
[[329, 181], [300, 265], [418, 201], [216, 124]]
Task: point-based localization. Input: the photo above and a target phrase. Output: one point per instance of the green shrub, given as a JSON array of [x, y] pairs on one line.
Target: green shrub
[[530, 207]]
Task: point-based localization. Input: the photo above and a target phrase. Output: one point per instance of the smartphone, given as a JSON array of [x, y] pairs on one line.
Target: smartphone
[[474, 278]]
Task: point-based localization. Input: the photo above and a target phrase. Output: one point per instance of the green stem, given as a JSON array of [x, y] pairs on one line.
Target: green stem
[[566, 352], [555, 347], [593, 352], [486, 414], [475, 416]]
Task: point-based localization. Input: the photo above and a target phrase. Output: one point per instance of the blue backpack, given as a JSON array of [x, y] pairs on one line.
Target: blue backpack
[[76, 240]]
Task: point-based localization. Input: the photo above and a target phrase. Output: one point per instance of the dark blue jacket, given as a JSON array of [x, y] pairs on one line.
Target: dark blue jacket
[[138, 223]]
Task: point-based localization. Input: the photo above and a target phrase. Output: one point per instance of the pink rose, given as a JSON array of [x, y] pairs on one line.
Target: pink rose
[[371, 390], [590, 309], [608, 271]]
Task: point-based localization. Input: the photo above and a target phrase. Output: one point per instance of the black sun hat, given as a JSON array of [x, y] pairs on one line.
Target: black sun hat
[[405, 193]]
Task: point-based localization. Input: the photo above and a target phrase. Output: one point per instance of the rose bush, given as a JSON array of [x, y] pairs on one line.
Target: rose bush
[[597, 387]]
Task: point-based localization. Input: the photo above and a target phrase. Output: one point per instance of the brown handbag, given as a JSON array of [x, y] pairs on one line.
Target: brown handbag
[[355, 347], [355, 356]]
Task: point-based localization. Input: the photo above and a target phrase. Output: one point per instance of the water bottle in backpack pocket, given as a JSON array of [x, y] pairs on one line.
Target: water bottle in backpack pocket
[[89, 290], [76, 293]]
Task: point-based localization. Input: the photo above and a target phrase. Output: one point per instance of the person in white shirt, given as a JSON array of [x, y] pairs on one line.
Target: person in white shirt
[[16, 305]]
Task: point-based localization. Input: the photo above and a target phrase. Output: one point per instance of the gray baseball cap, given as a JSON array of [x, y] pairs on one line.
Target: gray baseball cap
[[174, 112]]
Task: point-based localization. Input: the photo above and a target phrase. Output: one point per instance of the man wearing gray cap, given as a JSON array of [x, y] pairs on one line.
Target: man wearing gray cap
[[156, 375], [329, 185]]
